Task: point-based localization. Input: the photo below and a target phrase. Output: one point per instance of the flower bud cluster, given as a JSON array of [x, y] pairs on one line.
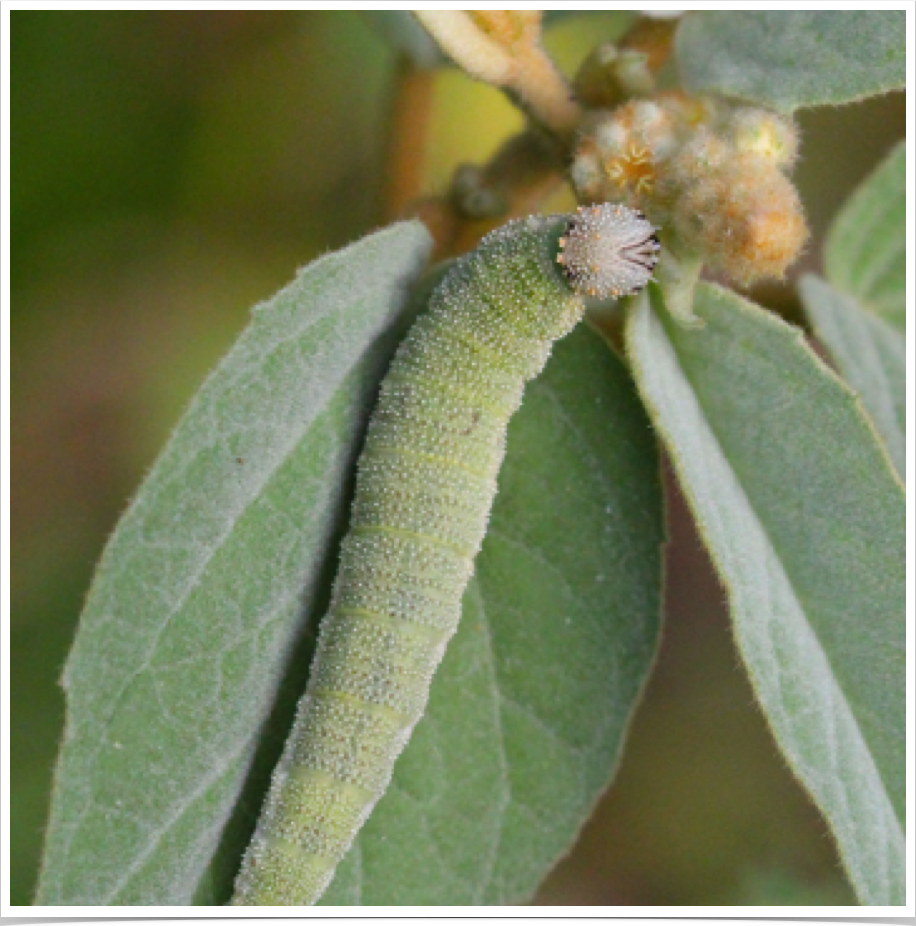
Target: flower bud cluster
[[714, 175]]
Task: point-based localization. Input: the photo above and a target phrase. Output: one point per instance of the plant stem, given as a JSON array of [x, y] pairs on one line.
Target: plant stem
[[505, 51], [407, 138]]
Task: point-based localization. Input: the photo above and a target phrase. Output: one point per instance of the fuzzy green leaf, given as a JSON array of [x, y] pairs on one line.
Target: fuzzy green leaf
[[796, 58], [209, 584], [866, 263], [804, 518], [529, 709], [870, 355], [865, 253]]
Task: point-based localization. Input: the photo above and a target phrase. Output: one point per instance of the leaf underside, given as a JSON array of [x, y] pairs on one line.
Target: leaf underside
[[804, 519], [865, 251], [860, 314], [870, 355]]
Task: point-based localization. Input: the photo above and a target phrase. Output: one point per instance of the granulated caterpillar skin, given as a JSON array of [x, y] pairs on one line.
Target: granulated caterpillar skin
[[425, 486]]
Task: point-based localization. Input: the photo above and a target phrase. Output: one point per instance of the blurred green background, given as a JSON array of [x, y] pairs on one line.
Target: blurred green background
[[173, 168]]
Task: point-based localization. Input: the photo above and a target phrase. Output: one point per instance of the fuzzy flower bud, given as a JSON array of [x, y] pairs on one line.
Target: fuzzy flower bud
[[765, 134], [744, 217], [711, 172]]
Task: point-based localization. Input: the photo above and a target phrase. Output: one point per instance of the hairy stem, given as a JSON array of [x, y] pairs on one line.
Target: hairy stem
[[502, 47]]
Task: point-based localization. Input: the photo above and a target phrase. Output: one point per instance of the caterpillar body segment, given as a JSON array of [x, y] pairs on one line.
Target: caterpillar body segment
[[425, 485]]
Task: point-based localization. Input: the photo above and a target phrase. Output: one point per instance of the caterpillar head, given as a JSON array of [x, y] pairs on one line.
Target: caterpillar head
[[608, 251]]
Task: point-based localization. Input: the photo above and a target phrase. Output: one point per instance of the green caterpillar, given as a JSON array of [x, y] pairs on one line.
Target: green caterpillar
[[426, 483]]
